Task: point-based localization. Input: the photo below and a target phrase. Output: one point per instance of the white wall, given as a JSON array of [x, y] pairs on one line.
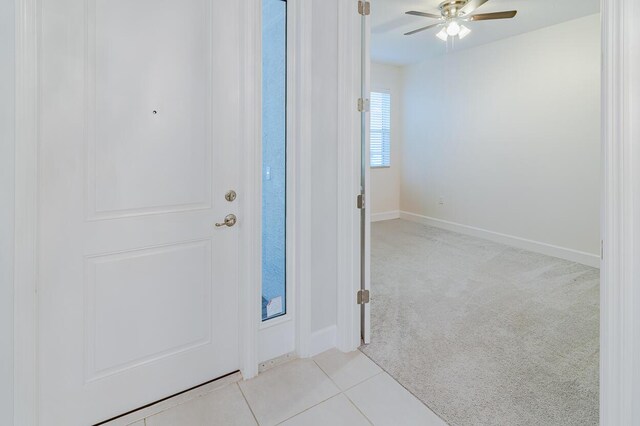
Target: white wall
[[7, 89], [385, 182], [508, 134], [324, 152]]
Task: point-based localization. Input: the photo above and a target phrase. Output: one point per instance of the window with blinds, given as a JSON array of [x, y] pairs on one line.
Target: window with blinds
[[380, 132]]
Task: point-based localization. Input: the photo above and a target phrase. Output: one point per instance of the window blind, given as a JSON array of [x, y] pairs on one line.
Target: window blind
[[380, 132]]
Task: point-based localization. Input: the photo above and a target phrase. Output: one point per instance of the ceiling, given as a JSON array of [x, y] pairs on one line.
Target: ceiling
[[389, 23]]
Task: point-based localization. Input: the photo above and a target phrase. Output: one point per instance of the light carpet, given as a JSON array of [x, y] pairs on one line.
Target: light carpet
[[484, 333]]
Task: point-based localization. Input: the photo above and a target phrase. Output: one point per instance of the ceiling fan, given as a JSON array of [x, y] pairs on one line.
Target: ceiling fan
[[453, 13]]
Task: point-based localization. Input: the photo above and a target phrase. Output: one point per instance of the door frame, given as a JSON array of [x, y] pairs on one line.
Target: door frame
[[25, 349], [620, 215], [348, 216]]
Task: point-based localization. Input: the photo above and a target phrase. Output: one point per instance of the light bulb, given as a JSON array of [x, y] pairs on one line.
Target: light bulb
[[464, 31], [442, 35], [453, 29]]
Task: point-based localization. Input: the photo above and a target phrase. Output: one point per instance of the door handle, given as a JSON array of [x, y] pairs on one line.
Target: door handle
[[229, 221]]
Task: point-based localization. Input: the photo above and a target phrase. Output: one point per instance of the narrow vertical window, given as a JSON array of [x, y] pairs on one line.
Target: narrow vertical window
[[274, 157], [380, 132]]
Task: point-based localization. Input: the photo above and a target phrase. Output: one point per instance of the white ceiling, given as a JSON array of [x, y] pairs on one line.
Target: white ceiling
[[389, 23]]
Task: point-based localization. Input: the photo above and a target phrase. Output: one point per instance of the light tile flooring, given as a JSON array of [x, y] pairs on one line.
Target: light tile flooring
[[333, 388]]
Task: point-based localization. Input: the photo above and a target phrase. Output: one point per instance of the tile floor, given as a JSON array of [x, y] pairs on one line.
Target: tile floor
[[332, 388]]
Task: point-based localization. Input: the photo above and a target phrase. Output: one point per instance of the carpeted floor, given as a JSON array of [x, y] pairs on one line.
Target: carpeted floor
[[483, 333]]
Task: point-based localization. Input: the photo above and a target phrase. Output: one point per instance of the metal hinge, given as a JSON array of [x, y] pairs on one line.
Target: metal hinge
[[363, 105], [364, 8], [363, 297], [360, 201]]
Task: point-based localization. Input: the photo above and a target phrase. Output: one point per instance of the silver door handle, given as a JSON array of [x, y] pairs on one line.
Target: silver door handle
[[229, 221]]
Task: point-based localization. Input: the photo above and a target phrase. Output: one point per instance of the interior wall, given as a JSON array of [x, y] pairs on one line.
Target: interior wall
[[385, 182], [324, 151], [506, 136], [7, 110]]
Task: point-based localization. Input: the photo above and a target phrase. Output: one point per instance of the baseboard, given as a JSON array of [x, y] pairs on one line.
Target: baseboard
[[572, 255], [378, 217], [323, 340]]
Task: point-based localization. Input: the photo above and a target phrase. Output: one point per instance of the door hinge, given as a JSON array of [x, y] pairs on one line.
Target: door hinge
[[360, 201], [363, 297], [364, 8], [363, 105]]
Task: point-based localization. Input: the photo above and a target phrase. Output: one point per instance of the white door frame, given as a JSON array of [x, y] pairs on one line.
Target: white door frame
[[620, 267], [26, 195], [27, 20], [620, 219], [250, 201], [348, 216]]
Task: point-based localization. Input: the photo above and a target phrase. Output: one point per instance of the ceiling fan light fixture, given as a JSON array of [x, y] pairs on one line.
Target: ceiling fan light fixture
[[453, 13], [464, 31], [453, 29], [442, 35]]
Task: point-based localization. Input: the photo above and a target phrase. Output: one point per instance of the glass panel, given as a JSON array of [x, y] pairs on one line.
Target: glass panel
[[274, 161]]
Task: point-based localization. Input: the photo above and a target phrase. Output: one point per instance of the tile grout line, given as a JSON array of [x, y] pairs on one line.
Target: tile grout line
[[344, 392], [352, 386], [411, 393], [358, 409], [307, 409], [325, 400], [325, 373], [365, 380], [247, 402], [354, 404]]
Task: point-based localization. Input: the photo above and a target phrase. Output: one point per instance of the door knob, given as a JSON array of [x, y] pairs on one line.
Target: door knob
[[229, 221]]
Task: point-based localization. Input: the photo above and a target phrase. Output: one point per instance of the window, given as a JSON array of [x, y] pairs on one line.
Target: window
[[274, 158], [380, 107]]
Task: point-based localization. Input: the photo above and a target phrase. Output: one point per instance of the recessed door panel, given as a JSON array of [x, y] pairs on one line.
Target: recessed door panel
[[144, 305], [149, 105]]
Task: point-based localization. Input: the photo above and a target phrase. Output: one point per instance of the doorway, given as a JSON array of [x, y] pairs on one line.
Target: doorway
[[459, 134]]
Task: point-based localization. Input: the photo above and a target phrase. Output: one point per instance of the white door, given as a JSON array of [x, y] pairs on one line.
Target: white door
[[139, 138], [365, 178]]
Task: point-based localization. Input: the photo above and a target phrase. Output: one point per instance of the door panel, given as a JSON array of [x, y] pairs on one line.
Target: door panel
[[139, 141], [175, 292], [150, 66]]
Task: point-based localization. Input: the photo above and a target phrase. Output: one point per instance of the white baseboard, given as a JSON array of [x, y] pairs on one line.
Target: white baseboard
[[378, 217], [323, 340], [535, 246]]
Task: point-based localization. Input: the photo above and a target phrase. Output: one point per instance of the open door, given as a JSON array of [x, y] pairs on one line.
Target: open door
[[365, 200]]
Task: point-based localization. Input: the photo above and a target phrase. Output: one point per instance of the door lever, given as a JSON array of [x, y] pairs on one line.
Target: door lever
[[229, 221]]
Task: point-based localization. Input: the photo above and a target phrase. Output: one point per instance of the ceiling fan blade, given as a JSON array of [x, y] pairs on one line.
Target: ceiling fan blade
[[421, 29], [497, 15], [423, 14], [471, 6]]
